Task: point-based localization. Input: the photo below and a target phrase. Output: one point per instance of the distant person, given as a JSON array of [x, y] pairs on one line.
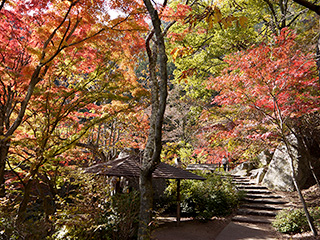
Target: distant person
[[224, 163]]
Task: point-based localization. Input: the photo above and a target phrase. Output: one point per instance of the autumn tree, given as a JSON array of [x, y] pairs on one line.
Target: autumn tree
[[60, 114], [275, 80], [36, 36], [201, 37], [33, 36], [198, 47], [127, 127], [198, 42]]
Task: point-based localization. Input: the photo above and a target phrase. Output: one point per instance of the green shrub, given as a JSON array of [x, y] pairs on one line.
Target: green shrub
[[121, 222], [84, 210], [206, 199], [294, 220], [90, 212], [34, 226]]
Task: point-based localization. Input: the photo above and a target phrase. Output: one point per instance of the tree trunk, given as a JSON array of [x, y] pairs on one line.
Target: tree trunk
[[314, 175], [24, 203], [146, 204], [310, 5], [4, 147], [305, 208], [2, 4], [151, 157]]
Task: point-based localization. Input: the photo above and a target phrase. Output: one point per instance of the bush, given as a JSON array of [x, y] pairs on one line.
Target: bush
[[35, 225], [92, 213], [295, 221], [206, 199], [85, 210], [122, 220], [119, 221]]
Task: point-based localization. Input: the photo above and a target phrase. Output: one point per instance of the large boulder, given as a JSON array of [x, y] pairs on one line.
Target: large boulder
[[264, 158], [258, 174], [248, 166], [243, 169], [279, 173]]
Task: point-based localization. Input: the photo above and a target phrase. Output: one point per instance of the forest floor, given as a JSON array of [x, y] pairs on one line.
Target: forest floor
[[312, 198], [190, 229]]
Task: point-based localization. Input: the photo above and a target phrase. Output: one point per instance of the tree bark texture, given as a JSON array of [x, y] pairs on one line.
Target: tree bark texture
[[310, 5], [305, 208], [4, 147], [24, 203], [146, 203], [2, 4], [158, 87]]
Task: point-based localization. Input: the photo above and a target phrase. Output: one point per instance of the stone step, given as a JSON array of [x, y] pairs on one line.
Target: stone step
[[238, 177], [256, 212], [258, 191], [272, 207], [264, 201], [264, 196], [252, 219], [243, 184], [241, 179], [245, 187]]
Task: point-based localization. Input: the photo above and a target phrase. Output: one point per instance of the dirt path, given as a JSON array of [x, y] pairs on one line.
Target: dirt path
[[197, 230], [190, 230]]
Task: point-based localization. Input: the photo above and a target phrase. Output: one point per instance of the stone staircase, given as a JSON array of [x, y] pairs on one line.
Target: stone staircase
[[259, 206]]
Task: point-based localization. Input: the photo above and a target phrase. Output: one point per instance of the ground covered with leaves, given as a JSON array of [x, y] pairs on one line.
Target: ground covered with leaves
[[312, 197]]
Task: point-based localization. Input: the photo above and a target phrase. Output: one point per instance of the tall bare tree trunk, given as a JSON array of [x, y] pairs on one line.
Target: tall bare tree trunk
[[294, 179], [151, 157], [146, 204], [314, 174]]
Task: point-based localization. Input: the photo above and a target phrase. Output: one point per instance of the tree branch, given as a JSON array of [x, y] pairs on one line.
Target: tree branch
[[311, 6], [273, 12], [2, 4]]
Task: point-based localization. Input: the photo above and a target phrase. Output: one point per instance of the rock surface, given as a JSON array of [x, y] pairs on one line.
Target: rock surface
[[258, 174], [264, 158], [275, 170], [279, 173]]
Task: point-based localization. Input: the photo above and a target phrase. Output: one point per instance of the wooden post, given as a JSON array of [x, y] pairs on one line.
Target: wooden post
[[178, 202]]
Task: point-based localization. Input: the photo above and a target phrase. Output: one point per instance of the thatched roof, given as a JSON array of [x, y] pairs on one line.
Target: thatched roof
[[130, 167]]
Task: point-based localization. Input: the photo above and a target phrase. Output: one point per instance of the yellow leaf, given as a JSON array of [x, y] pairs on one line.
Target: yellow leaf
[[243, 21], [210, 22], [227, 22], [217, 14], [173, 51]]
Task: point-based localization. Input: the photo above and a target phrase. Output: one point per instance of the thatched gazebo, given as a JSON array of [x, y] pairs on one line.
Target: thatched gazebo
[[129, 166]]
